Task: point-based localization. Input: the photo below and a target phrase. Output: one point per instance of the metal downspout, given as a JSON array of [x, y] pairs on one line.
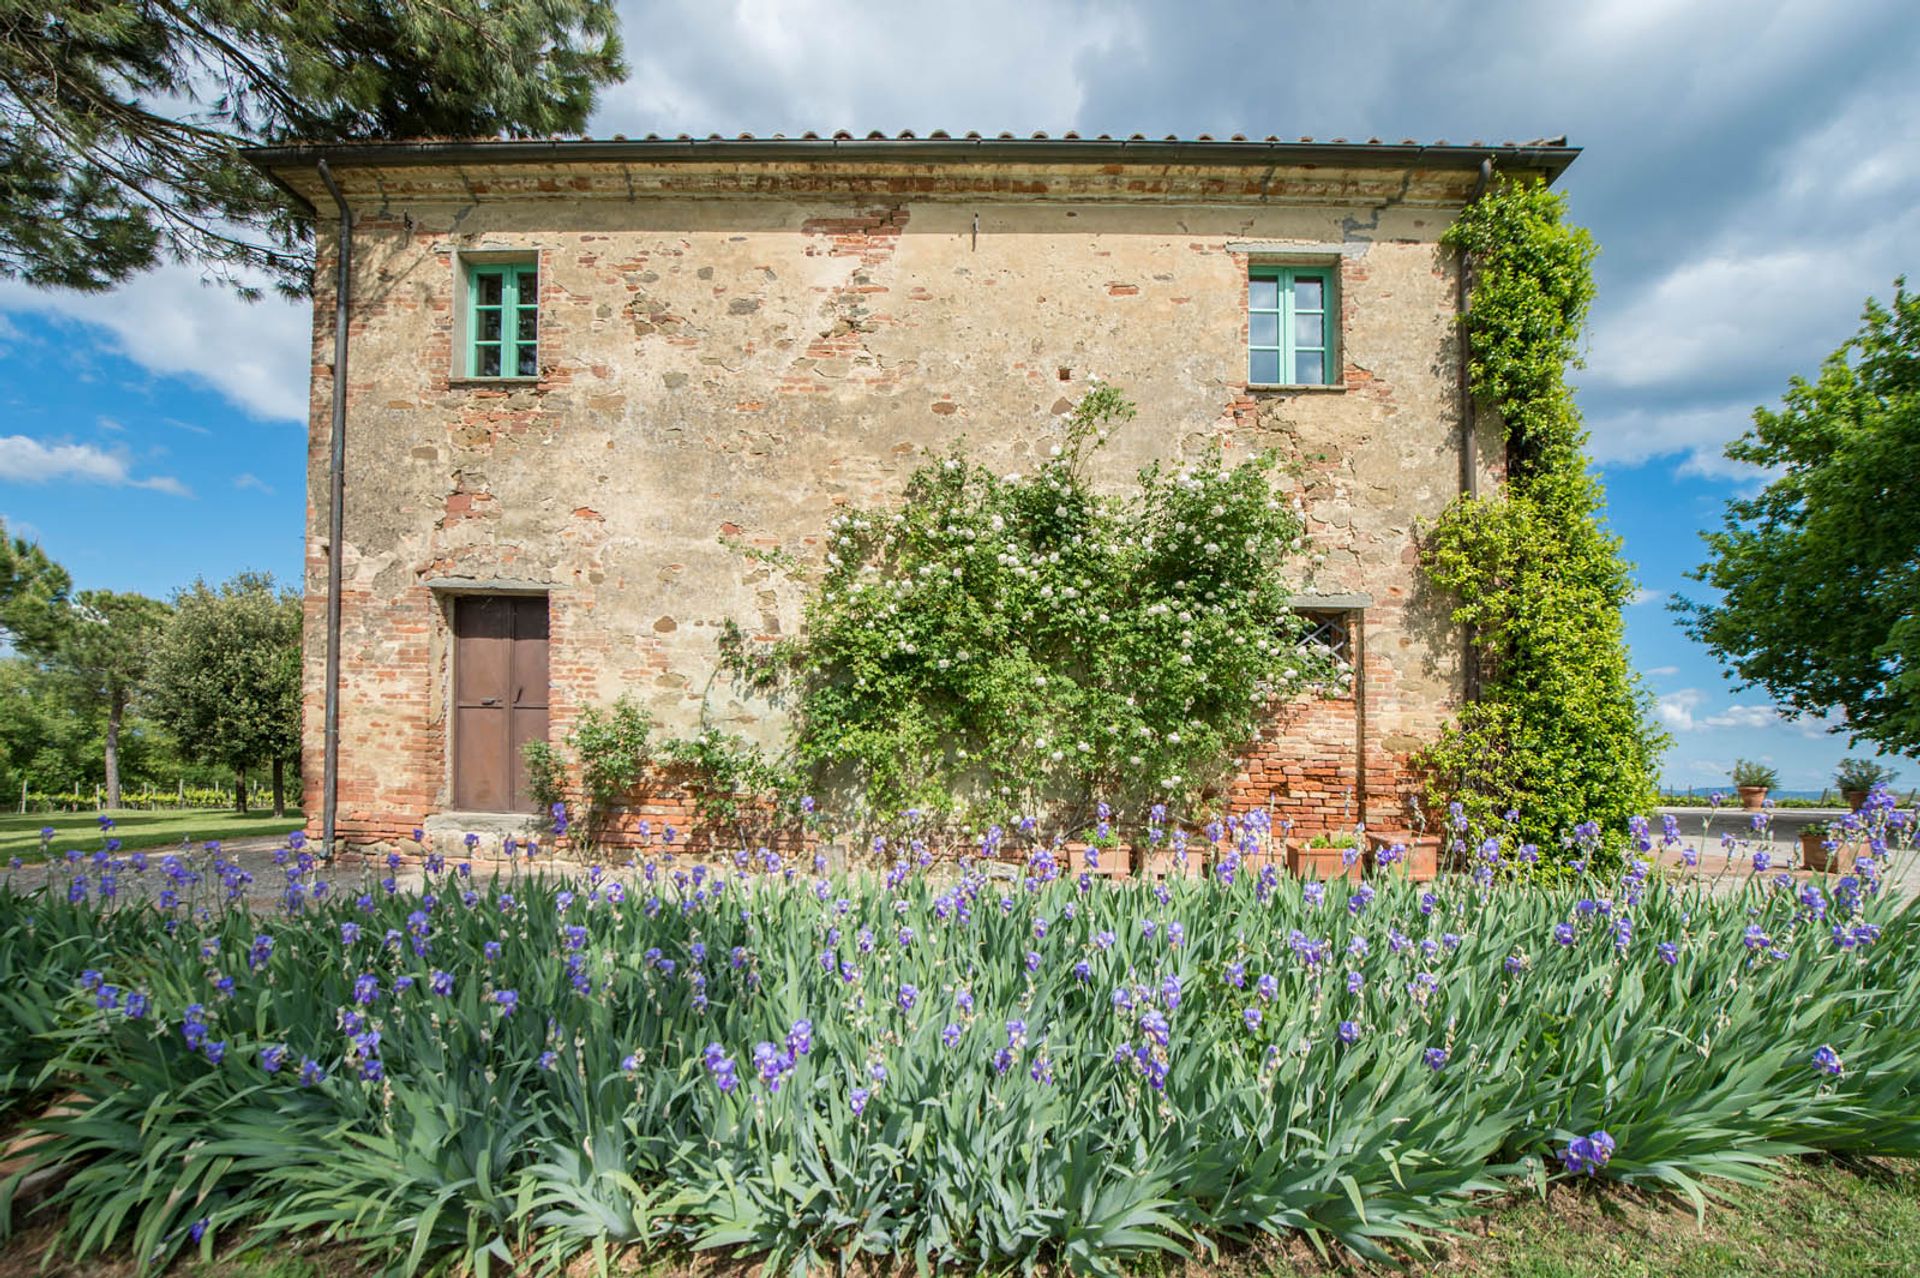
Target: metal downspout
[[336, 517], [1469, 445]]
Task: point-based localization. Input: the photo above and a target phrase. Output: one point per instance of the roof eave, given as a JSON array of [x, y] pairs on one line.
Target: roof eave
[[1549, 159]]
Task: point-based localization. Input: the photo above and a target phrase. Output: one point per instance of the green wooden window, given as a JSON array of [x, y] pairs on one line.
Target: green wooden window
[[503, 320], [1289, 339]]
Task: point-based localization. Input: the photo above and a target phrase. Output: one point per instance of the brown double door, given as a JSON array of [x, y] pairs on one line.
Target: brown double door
[[499, 698]]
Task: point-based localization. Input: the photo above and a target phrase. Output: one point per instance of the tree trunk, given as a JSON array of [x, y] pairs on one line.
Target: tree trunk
[[116, 708], [240, 791], [279, 787]]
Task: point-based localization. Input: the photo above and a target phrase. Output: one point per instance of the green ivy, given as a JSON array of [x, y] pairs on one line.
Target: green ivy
[[1000, 645], [1560, 732]]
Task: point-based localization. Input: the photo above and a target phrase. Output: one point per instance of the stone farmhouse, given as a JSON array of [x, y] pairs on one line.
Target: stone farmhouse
[[571, 368]]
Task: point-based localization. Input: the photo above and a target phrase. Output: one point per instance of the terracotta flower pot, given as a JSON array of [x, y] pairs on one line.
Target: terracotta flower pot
[[1856, 799], [1417, 858], [1323, 863], [1110, 863], [1815, 855], [1165, 863], [1752, 797]]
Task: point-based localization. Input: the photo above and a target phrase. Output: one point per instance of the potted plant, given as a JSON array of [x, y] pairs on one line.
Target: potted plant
[[1753, 780], [1325, 856], [1164, 861], [1102, 857], [1855, 777], [1822, 849], [1403, 852]]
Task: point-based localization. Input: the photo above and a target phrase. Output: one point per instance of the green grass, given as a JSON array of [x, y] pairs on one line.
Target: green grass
[[1822, 1216], [20, 835]]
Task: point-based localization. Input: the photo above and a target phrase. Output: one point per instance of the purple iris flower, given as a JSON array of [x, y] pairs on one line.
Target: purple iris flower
[[1586, 1155]]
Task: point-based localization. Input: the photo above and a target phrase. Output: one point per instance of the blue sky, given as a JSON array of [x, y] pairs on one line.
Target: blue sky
[[1752, 172]]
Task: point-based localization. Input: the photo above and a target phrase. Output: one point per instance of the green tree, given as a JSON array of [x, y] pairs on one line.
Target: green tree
[[1559, 733], [47, 739], [102, 650], [33, 591], [121, 121], [1818, 576], [226, 678]]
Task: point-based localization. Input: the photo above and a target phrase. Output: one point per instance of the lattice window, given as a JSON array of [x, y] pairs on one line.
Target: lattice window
[[1331, 631]]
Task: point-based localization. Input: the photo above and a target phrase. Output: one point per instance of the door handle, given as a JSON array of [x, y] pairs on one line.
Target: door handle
[[489, 701]]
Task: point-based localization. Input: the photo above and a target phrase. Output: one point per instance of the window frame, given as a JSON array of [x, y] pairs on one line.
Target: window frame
[[1286, 312], [1340, 621], [512, 272]]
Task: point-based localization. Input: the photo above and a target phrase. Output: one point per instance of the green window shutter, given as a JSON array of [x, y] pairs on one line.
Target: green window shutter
[[1290, 326], [503, 322]]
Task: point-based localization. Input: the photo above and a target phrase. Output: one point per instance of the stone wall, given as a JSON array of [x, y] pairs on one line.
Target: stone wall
[[739, 350]]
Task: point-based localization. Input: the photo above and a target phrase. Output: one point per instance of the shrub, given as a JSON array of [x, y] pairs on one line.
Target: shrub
[[1001, 644], [1750, 772], [609, 748], [731, 775]]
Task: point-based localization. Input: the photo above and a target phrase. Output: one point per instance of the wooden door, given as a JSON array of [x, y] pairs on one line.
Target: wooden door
[[499, 698]]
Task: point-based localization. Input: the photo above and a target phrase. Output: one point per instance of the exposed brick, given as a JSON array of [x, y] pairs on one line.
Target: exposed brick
[[750, 348]]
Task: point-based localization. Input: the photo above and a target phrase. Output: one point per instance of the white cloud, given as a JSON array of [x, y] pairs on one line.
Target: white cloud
[[1642, 595], [1636, 435], [256, 354], [1732, 314], [788, 66], [1819, 727], [1706, 463], [30, 461], [1676, 708], [1680, 711], [247, 479], [108, 423], [1747, 717], [1845, 160], [1661, 672], [1708, 770]]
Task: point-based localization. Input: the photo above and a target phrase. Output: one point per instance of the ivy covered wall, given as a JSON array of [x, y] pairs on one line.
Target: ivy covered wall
[[1560, 733]]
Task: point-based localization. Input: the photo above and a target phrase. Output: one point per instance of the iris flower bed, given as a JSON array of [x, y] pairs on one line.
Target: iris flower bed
[[986, 1065]]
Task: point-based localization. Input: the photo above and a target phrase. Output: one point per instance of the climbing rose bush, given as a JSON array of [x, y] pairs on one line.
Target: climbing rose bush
[[1007, 643]]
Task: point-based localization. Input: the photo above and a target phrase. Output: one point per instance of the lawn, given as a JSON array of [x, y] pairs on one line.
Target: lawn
[[1821, 1217], [20, 835]]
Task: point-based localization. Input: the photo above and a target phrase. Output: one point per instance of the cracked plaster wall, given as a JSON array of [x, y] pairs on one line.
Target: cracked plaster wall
[[720, 356]]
